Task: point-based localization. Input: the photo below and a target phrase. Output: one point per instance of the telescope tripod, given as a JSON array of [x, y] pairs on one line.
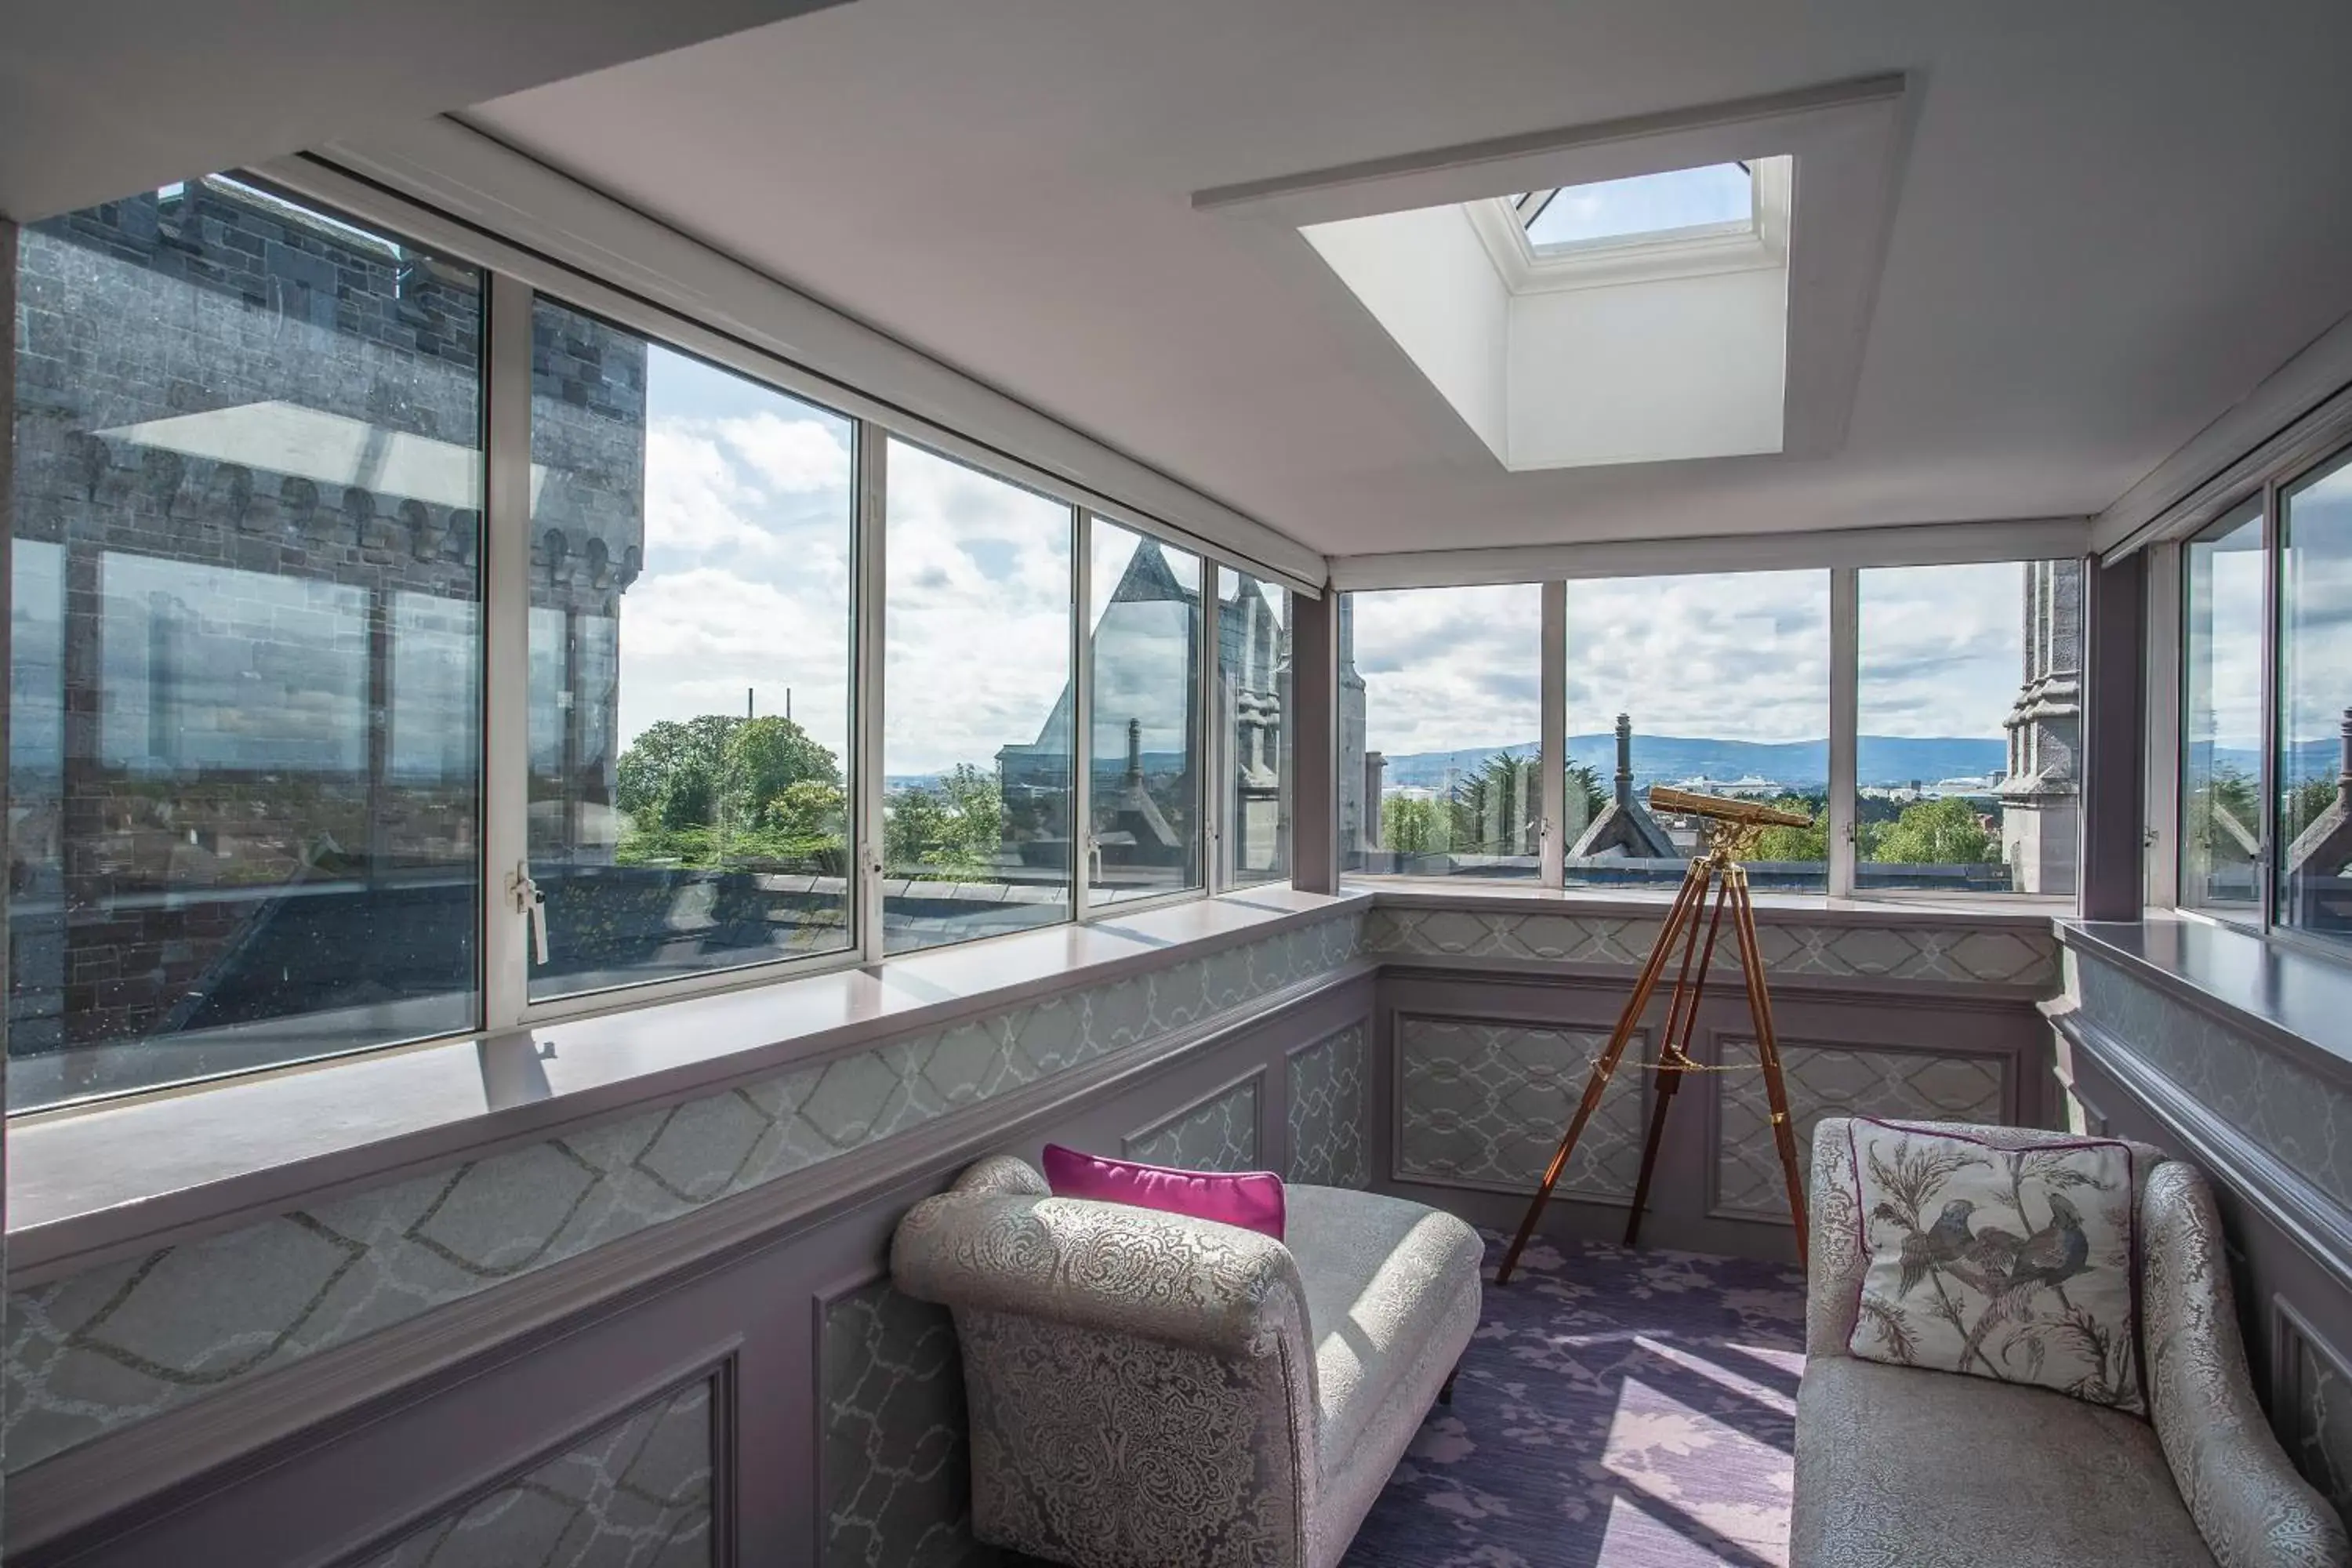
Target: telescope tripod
[[1720, 870]]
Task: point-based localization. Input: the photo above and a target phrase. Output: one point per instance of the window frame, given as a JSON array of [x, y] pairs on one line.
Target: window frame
[[2321, 438], [1845, 632], [513, 281]]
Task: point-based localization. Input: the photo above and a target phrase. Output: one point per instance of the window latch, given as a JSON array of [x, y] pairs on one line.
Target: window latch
[[531, 904]]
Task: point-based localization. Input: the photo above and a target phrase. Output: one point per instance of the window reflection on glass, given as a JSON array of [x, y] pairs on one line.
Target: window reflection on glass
[[2221, 712], [976, 705], [1440, 719], [1254, 682], [1144, 639], [243, 753], [1717, 685], [689, 637], [1969, 725], [2313, 763]]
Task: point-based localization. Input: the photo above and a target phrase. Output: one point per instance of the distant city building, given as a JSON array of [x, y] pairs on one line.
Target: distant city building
[[2040, 797]]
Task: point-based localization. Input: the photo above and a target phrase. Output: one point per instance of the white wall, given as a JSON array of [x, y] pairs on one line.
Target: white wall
[[1675, 367], [1429, 280]]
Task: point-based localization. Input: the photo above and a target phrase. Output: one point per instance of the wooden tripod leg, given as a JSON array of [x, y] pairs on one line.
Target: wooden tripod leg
[[1682, 1018], [1768, 1052], [1684, 909]]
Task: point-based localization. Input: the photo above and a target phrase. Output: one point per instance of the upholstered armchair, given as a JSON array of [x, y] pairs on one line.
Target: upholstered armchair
[[1934, 1470], [1152, 1390]]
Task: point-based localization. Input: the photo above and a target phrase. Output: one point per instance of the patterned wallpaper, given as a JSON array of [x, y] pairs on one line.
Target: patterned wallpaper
[[897, 1472], [1486, 1103], [1218, 1134], [2277, 1101], [637, 1495], [1957, 953], [1827, 1080], [103, 1349], [1330, 1086]]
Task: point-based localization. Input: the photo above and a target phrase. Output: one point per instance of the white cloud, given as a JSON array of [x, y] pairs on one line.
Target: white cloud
[[794, 456]]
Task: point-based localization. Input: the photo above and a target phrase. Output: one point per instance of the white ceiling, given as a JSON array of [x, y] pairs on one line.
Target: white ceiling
[[2114, 218]]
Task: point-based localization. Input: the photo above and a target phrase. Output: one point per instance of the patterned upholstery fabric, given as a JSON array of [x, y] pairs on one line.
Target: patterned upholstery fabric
[[2247, 1499], [1928, 1470], [1144, 1387]]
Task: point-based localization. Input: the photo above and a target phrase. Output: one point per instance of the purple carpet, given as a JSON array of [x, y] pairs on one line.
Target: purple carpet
[[1632, 1409]]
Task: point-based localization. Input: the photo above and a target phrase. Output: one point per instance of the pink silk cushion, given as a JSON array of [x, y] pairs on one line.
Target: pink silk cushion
[[1251, 1199]]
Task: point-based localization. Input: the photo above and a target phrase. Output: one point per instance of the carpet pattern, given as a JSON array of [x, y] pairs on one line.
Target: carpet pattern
[[1618, 1408]]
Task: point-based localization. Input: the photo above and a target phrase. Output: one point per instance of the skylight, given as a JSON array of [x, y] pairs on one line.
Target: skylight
[[1675, 201]]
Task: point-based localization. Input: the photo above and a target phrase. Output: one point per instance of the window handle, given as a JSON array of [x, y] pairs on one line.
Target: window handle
[[531, 904]]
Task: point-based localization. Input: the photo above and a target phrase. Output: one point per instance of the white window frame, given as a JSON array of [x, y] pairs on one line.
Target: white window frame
[[514, 280]]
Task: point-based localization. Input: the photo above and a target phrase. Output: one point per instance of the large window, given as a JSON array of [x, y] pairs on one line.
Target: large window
[[690, 634], [1440, 719], [1969, 720], [1716, 685], [978, 707], [245, 761], [1254, 681], [2313, 755], [401, 652], [2221, 712], [1144, 641]]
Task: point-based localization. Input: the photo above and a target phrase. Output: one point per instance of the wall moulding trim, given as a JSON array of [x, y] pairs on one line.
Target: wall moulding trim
[[2281, 1194], [1912, 544], [717, 1368], [516, 213], [1738, 1043], [195, 1447], [1957, 995], [130, 1222], [1255, 1078]]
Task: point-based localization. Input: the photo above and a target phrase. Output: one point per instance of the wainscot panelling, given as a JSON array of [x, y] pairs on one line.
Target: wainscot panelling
[[1492, 1014], [2269, 1120], [837, 1444], [1330, 1091], [896, 1451], [1219, 1133], [1482, 1103], [1900, 1082], [636, 1495]]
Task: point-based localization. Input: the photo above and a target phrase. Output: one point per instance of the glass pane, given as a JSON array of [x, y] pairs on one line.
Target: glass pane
[[976, 705], [2314, 768], [1645, 203], [1144, 637], [2222, 713], [1441, 713], [689, 662], [1254, 678], [245, 750], [1969, 722], [1718, 684]]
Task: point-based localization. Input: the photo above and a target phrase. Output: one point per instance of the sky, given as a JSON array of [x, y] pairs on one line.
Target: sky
[[1733, 657], [1720, 193]]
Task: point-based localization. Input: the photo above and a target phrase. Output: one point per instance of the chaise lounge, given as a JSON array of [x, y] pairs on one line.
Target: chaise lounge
[[1149, 1390]]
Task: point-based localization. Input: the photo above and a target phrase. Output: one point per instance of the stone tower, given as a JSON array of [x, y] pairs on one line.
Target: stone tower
[[2040, 795]]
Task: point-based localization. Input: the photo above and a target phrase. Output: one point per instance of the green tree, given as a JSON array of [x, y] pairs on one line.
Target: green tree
[[1809, 843], [761, 758], [671, 770], [1584, 785], [1946, 832], [806, 816], [954, 827], [1487, 812], [1409, 824]]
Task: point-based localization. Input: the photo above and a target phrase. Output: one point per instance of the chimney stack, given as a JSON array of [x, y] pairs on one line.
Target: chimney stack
[[1625, 760]]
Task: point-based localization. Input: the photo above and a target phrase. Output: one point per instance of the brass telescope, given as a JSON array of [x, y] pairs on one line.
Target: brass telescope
[[1724, 809], [1717, 872]]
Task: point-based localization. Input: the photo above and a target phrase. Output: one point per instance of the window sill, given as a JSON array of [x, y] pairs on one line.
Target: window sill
[[2284, 995], [96, 1179], [2010, 911]]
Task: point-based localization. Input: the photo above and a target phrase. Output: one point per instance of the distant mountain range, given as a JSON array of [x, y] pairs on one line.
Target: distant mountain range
[[1669, 759]]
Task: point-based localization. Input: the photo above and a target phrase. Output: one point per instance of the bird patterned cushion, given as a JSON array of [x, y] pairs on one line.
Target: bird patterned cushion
[[2013, 1264]]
